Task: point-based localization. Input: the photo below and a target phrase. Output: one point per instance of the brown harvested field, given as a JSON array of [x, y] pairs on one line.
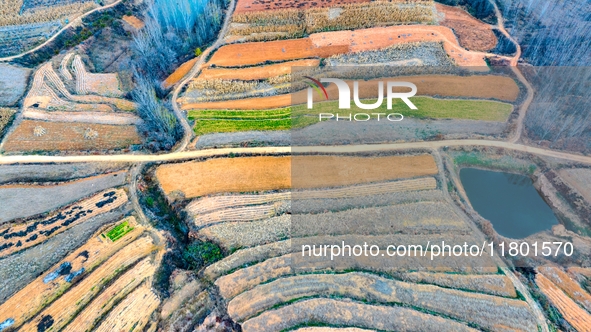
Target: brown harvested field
[[179, 73], [579, 179], [472, 33], [132, 313], [584, 271], [480, 86], [194, 179], [64, 136], [65, 308], [494, 284], [567, 285], [35, 232], [36, 295], [325, 44], [133, 21], [574, 315], [256, 73], [91, 315], [245, 6], [347, 313], [480, 309]]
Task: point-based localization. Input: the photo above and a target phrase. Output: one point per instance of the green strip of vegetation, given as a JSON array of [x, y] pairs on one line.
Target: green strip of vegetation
[[428, 107], [225, 121], [119, 231]]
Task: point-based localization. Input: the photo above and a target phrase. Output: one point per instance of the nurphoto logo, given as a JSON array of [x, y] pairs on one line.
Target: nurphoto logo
[[345, 99]]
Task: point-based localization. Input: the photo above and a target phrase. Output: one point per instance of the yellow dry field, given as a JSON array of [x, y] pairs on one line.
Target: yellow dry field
[[87, 209], [65, 308], [567, 285], [30, 300], [179, 73], [107, 299], [495, 284], [131, 314], [584, 271], [256, 73], [194, 179], [574, 315]]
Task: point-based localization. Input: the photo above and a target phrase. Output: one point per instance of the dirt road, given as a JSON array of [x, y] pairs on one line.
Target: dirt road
[[187, 130], [175, 156]]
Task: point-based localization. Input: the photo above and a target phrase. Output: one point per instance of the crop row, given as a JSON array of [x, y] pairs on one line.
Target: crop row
[[347, 313], [66, 307], [494, 284], [101, 84], [567, 285], [210, 204], [248, 213], [133, 312], [29, 234], [480, 309], [50, 285]]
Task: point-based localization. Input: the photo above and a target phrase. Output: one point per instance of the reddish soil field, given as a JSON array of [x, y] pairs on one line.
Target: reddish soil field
[[472, 33], [64, 136], [244, 6], [487, 86], [179, 73], [325, 44], [255, 73]]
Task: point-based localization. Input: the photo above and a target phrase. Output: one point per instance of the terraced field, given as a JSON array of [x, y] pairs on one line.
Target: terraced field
[[268, 286]]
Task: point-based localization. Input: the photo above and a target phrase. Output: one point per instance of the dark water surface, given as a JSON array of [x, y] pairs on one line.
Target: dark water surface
[[509, 201]]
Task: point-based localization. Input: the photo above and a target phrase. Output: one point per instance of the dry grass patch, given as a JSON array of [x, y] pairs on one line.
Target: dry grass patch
[[578, 178], [65, 308], [133, 312], [27, 302], [194, 179], [484, 310], [133, 21], [473, 34], [346, 313], [567, 285], [572, 313], [33, 135], [494, 284], [20, 237], [179, 73]]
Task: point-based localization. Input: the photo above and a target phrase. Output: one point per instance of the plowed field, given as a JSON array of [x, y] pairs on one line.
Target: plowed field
[[256, 73]]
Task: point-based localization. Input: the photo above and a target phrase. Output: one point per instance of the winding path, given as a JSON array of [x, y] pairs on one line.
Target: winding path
[[187, 130]]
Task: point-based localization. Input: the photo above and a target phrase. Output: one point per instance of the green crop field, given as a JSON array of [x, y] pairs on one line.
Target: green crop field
[[226, 121], [119, 231], [428, 107]]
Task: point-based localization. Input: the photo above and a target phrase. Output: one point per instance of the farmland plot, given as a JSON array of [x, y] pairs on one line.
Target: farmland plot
[[257, 72], [13, 82], [133, 312], [52, 283], [20, 237], [326, 44], [567, 285], [580, 179], [6, 116], [57, 172], [494, 284], [15, 39], [100, 84], [22, 201], [66, 136], [269, 173], [484, 310], [472, 33], [15, 12], [572, 313], [67, 306], [87, 319], [347, 313]]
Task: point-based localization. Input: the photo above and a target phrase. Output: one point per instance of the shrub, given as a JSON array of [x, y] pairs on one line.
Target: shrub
[[198, 254]]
